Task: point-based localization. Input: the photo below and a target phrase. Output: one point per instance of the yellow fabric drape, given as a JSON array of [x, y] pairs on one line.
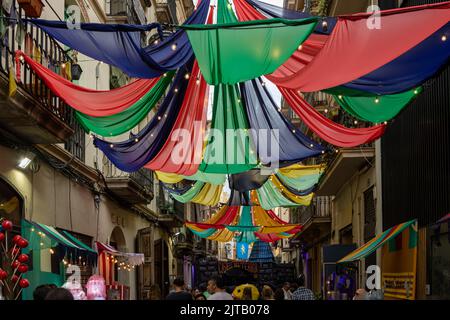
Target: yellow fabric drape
[[224, 235], [213, 220], [12, 83], [209, 195], [302, 200], [168, 177], [298, 170], [261, 218]]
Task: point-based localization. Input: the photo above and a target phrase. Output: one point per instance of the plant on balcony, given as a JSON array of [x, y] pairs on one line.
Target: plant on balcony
[[32, 8]]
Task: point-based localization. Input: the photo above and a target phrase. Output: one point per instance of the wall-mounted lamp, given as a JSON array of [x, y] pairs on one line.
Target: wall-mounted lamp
[[25, 161]]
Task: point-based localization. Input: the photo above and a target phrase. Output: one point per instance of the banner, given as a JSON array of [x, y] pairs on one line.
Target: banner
[[399, 264], [242, 251]]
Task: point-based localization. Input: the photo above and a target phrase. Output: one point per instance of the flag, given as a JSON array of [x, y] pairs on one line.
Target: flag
[[242, 251]]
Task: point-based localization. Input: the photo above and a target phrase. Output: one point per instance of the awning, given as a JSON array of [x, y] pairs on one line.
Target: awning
[[130, 259], [376, 242], [41, 236]]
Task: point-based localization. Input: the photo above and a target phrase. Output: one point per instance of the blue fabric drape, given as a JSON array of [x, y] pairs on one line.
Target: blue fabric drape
[[132, 154], [120, 45], [264, 116], [279, 12]]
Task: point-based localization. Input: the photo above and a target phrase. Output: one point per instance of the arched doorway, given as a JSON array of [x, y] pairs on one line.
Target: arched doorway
[[117, 240], [11, 203]]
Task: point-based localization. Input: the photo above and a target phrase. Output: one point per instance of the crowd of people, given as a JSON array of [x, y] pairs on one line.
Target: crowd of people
[[216, 289]]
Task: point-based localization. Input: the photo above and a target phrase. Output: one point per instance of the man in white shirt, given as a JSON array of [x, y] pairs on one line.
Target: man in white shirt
[[216, 288]]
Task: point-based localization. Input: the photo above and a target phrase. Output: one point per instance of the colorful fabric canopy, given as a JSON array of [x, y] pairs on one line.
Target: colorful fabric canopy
[[229, 149], [344, 56], [182, 151], [378, 242], [404, 73], [120, 46], [91, 102], [211, 178], [272, 195], [244, 221], [377, 109], [271, 128], [132, 154], [235, 52], [300, 177], [126, 120], [261, 252], [328, 130], [200, 192]]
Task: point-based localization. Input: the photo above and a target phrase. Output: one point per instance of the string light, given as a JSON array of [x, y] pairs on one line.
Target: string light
[[174, 47], [197, 81], [165, 75], [63, 65], [326, 110], [300, 47], [311, 145], [416, 91], [340, 96], [186, 76], [293, 130], [159, 118], [324, 24], [176, 90], [377, 100], [156, 42], [444, 38], [136, 140], [385, 122], [111, 145], [355, 122], [52, 251], [323, 151]]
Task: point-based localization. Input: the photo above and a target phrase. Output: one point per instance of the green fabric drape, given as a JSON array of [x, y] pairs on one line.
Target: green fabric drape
[[231, 52], [247, 228], [270, 197], [229, 149], [190, 194], [212, 178], [376, 108], [126, 120], [226, 155], [300, 183]]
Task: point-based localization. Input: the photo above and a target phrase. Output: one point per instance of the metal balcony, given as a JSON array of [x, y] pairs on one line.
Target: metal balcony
[[132, 188], [34, 113]]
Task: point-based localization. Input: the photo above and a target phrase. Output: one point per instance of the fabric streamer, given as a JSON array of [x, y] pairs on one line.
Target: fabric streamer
[[91, 102], [344, 56], [249, 180], [120, 45], [328, 130], [239, 51], [300, 177], [126, 120], [211, 178], [265, 117], [132, 154]]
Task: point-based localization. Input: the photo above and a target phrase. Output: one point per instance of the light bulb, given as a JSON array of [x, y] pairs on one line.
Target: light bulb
[[186, 76], [416, 91], [174, 47], [377, 100], [326, 110], [444, 38], [176, 90], [136, 140], [197, 81], [293, 131], [300, 47], [156, 42], [311, 145], [159, 118], [111, 145], [356, 122]]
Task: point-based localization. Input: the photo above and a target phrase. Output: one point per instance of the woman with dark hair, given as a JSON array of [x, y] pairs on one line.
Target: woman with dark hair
[[59, 294]]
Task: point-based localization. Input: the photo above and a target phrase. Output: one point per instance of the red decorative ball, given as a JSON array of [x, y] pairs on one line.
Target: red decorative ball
[[24, 283], [15, 264], [14, 278], [16, 238], [2, 236], [22, 243], [3, 274], [23, 268], [23, 258], [7, 225]]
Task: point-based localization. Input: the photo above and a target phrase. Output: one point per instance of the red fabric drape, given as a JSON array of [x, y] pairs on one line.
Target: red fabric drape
[[182, 152], [91, 102], [353, 50], [328, 130], [228, 217], [272, 237], [309, 49]]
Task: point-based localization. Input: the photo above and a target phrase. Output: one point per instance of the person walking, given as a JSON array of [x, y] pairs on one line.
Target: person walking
[[217, 290], [303, 293], [180, 292]]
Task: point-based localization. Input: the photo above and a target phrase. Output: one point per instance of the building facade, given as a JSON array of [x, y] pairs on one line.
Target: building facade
[[69, 184]]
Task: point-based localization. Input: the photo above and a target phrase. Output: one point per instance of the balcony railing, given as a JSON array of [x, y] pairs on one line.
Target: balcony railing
[[319, 208], [21, 35]]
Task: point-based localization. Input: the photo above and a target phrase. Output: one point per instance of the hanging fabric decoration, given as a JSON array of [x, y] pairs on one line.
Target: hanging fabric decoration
[[300, 177], [407, 71], [328, 130], [182, 153], [225, 216], [186, 195], [344, 56], [245, 227], [120, 45], [202, 193], [172, 178], [132, 154], [249, 180], [91, 102], [229, 149], [234, 52], [377, 109], [265, 117], [126, 120], [270, 196]]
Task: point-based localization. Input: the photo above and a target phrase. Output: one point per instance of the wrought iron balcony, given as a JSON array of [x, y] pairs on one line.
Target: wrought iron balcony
[[34, 113], [133, 188]]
